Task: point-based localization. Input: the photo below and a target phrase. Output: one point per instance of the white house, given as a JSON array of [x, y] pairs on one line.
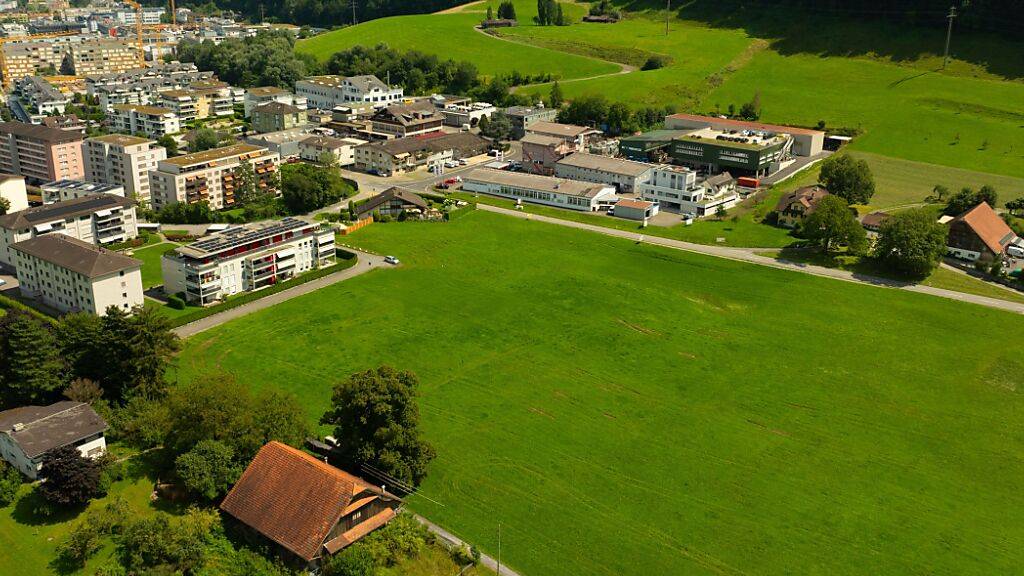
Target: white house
[[326, 92], [28, 433], [571, 194]]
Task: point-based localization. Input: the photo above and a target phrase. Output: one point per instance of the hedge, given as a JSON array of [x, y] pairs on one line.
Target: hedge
[[8, 303], [348, 260]]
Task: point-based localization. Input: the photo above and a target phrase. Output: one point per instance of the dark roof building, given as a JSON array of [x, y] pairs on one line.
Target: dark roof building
[[63, 210], [29, 432], [874, 221], [75, 255], [793, 207], [305, 506], [391, 202]]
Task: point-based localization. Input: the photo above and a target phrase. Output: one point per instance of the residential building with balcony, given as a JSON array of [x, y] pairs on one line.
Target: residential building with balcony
[[70, 275], [41, 97], [275, 116], [312, 148], [326, 92], [64, 190], [261, 95], [93, 218], [40, 153], [101, 57], [124, 161], [151, 121], [404, 120], [246, 258], [142, 85], [211, 176], [203, 99]]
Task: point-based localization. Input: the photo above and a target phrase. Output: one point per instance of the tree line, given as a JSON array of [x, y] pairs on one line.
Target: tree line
[[322, 13], [267, 59]]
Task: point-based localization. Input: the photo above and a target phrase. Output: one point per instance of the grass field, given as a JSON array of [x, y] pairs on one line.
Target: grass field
[[624, 409], [150, 256]]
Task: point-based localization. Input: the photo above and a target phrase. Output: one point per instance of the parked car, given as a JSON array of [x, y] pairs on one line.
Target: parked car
[[463, 162], [391, 260]]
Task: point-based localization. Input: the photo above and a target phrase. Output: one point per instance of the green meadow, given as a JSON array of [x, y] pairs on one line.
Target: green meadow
[[626, 409]]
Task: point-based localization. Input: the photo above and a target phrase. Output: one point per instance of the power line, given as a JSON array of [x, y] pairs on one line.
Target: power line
[[949, 34]]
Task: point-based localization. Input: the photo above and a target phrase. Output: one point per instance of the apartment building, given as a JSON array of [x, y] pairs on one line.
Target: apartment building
[[150, 15], [94, 218], [326, 92], [276, 116], [27, 58], [143, 85], [123, 161], [64, 190], [204, 99], [40, 97], [404, 120], [151, 121], [70, 275], [40, 153], [12, 189], [312, 148], [261, 95], [210, 176], [519, 186], [625, 175], [101, 57], [246, 258]]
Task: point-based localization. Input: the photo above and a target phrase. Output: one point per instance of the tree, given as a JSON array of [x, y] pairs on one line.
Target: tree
[[83, 390], [208, 470], [168, 142], [752, 110], [247, 191], [165, 544], [589, 110], [306, 187], [507, 10], [655, 62], [619, 119], [848, 178], [911, 242], [5, 205], [31, 368], [556, 98], [967, 198], [204, 139], [1015, 206], [832, 225], [70, 479], [10, 483], [490, 13], [498, 127], [376, 422], [354, 561], [560, 19], [135, 350]]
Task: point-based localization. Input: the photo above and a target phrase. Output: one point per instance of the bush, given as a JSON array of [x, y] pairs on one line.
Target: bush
[[175, 302], [10, 483], [654, 62], [355, 561], [80, 545]]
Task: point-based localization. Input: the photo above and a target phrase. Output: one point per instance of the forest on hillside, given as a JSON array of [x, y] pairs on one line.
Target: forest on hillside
[[324, 13]]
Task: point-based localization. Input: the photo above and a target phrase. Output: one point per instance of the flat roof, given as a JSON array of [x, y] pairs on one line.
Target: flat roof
[[157, 110], [536, 182], [638, 204], [120, 139], [656, 136], [267, 91], [213, 244], [213, 154], [605, 164], [563, 130], [740, 124], [92, 187], [73, 254]]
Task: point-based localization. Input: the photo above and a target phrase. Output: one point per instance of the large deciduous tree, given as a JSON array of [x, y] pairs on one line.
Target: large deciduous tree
[[968, 198], [848, 178], [911, 242], [209, 469], [376, 422], [832, 225], [69, 479]]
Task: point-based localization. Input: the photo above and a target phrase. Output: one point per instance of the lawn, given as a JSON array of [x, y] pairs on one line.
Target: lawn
[[731, 419], [150, 256]]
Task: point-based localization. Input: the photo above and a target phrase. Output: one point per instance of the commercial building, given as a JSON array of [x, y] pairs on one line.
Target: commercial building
[[123, 161], [571, 194], [541, 153], [653, 146], [635, 209], [522, 117], [625, 175], [40, 96], [139, 119], [256, 96], [404, 120], [94, 218], [64, 190], [462, 115], [747, 153], [12, 189], [979, 234], [285, 143], [311, 148], [102, 57], [578, 137], [275, 116], [246, 258], [39, 153], [805, 142], [29, 433], [70, 275], [326, 92], [203, 99], [405, 154], [142, 85], [210, 176]]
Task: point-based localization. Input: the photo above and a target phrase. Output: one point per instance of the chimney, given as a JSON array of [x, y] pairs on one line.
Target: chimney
[[384, 488], [18, 427]]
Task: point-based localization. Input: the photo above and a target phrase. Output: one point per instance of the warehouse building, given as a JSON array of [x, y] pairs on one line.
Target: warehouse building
[[805, 142], [625, 175], [547, 190]]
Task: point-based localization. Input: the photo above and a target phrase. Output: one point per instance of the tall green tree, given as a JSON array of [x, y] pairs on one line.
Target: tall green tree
[[136, 349], [31, 368], [556, 97], [209, 469], [911, 242], [498, 127], [832, 225], [507, 10], [70, 479], [848, 178], [10, 483], [169, 143], [204, 139], [376, 422]]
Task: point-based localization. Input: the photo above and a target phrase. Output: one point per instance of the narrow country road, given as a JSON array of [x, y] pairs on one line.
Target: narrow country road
[[454, 540], [366, 262], [748, 255]]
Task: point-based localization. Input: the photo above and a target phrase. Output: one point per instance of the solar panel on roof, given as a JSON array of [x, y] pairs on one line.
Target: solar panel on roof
[[240, 236]]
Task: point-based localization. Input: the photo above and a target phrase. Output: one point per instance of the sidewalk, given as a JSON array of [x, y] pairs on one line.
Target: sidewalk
[[747, 255], [454, 540]]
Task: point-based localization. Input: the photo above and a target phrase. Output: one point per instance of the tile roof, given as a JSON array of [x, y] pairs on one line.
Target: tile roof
[[807, 195], [984, 221], [49, 427], [71, 253], [39, 132], [393, 192], [292, 498], [341, 541]]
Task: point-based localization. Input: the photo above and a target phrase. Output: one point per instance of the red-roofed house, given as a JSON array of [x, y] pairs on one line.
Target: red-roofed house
[[308, 508], [798, 204], [979, 234]]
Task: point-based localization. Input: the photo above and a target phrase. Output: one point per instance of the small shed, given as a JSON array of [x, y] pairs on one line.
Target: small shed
[[635, 209]]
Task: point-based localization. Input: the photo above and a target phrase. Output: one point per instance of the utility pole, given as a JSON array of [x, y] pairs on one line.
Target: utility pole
[[261, 13], [354, 21], [949, 34], [668, 15], [499, 548]]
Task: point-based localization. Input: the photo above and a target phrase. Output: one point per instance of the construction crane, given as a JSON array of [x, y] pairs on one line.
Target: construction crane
[[174, 15], [138, 30], [5, 73]]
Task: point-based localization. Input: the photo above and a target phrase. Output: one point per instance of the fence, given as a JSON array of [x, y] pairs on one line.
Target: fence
[[350, 228]]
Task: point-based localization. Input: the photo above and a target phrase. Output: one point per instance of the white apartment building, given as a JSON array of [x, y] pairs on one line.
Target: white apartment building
[[210, 176], [343, 149], [203, 99], [64, 190], [41, 97], [28, 433], [624, 174], [151, 121], [124, 161], [547, 190], [326, 92], [70, 275], [12, 189], [676, 188], [96, 219], [150, 15], [261, 95], [246, 258]]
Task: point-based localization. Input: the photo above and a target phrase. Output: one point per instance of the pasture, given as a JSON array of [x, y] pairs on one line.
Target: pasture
[[623, 409]]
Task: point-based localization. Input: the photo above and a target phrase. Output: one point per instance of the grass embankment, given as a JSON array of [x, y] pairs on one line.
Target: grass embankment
[[724, 418]]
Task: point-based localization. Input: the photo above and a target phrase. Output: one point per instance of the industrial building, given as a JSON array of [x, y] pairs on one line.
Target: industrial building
[[624, 175], [571, 194]]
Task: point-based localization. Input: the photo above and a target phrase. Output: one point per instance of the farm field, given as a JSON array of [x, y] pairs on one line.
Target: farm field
[[573, 382]]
